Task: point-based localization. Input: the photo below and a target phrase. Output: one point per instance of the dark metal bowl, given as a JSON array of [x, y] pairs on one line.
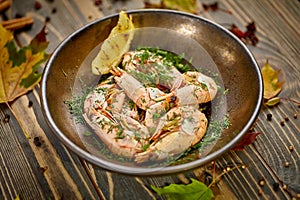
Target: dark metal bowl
[[209, 45]]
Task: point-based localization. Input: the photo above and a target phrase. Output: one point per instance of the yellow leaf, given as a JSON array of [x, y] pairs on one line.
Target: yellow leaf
[[5, 36], [272, 86], [113, 48], [17, 197], [181, 5], [14, 76], [18, 69], [273, 101]]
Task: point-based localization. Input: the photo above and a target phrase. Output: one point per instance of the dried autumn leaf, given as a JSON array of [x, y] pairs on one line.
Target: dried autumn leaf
[[247, 36], [272, 86], [113, 48], [19, 68], [248, 139], [186, 6], [273, 101]]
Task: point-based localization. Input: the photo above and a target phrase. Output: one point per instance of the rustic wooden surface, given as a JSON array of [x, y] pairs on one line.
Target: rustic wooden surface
[[50, 171]]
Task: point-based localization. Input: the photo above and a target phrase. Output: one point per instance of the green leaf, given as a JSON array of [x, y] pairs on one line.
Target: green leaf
[[196, 190], [17, 57]]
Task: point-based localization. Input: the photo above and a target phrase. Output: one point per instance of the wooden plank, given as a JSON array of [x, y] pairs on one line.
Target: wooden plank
[[19, 176]]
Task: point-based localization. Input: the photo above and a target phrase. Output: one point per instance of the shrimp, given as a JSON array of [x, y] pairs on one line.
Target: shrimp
[[98, 99], [166, 76], [158, 110], [207, 83], [179, 129], [142, 96], [154, 113], [190, 88], [122, 134], [198, 88], [118, 140]]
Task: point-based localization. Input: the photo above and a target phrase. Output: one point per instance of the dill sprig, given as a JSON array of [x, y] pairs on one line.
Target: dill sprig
[[168, 58], [75, 105]]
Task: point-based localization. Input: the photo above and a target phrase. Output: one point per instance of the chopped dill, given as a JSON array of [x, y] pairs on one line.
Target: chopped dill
[[168, 58], [204, 86], [132, 105], [191, 119], [87, 133], [145, 147], [120, 133], [226, 91], [137, 136], [156, 116], [100, 90], [148, 79], [75, 105]]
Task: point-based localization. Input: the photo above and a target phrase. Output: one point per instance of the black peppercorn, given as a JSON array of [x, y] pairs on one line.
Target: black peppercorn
[[53, 10], [47, 19], [276, 186], [295, 116], [37, 141], [30, 103], [269, 117]]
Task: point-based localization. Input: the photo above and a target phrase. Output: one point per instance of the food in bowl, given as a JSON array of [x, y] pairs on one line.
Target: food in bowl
[[147, 109], [149, 105], [204, 46]]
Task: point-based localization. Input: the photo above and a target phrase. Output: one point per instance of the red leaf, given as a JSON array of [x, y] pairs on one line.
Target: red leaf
[[212, 7], [39, 42], [248, 139], [247, 36], [235, 30]]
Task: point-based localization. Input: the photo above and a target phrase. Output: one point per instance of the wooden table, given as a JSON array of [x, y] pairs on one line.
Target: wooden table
[[43, 168]]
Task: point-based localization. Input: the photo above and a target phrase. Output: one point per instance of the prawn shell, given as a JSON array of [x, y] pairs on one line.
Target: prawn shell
[[193, 125]]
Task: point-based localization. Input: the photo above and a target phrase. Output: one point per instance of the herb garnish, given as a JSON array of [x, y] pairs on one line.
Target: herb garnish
[[75, 105], [168, 58]]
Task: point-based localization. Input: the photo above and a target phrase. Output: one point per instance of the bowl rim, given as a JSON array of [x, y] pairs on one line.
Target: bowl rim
[[142, 171]]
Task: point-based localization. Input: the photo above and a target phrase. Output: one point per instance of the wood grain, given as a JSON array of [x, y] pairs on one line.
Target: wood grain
[[51, 171]]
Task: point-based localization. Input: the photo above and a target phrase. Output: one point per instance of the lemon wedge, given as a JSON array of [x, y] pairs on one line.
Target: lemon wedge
[[113, 48]]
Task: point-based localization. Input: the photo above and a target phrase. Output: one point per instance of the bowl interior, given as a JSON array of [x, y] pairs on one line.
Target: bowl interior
[[211, 49]]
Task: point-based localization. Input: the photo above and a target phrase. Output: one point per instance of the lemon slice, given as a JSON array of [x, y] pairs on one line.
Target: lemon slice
[[113, 48]]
